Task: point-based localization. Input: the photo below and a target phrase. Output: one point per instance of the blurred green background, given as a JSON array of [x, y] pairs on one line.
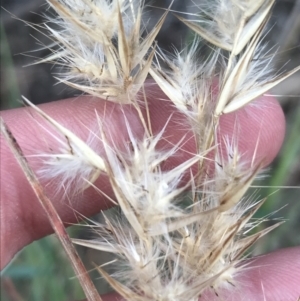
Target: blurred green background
[[41, 271]]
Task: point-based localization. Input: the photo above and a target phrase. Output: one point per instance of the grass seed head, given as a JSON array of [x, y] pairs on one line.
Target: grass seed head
[[171, 248]]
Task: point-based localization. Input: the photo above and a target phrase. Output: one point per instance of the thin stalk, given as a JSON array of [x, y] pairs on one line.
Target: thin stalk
[[55, 220]]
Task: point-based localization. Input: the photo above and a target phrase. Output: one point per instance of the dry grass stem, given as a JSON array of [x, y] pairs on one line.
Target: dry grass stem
[[56, 222]]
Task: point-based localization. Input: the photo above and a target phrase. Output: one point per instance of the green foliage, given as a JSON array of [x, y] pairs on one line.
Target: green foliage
[[9, 81], [41, 272], [283, 191]]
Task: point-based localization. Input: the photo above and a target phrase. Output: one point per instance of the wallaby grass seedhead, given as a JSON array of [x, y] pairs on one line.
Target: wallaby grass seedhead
[[170, 250]]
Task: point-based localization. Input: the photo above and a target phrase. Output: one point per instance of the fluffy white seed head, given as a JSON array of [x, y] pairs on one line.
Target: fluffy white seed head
[[146, 193], [170, 248], [100, 47], [71, 166], [228, 24]]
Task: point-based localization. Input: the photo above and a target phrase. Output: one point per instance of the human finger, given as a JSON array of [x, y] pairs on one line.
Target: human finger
[[23, 218]]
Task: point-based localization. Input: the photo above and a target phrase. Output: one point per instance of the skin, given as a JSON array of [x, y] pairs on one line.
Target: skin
[[259, 126]]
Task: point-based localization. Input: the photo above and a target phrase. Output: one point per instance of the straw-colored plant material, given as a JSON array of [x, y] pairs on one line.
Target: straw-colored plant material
[[169, 249], [56, 222]]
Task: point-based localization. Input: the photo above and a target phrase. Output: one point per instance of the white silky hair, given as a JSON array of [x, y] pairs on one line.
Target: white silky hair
[[171, 250]]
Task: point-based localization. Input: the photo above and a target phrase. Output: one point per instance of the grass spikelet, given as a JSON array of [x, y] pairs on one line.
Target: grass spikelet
[[74, 162], [228, 24], [171, 247], [101, 48]]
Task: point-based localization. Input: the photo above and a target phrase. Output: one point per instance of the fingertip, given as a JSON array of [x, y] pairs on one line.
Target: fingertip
[[258, 129], [273, 277]]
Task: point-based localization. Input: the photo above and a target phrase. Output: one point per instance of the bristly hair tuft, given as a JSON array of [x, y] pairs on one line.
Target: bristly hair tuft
[[171, 245]]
